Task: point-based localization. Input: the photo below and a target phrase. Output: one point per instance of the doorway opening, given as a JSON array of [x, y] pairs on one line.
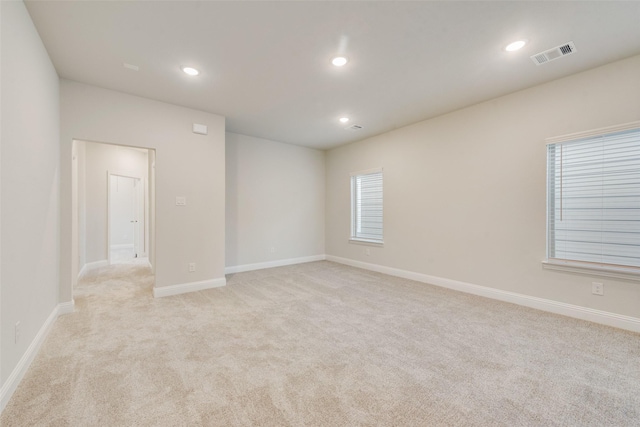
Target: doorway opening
[[126, 224], [113, 201]]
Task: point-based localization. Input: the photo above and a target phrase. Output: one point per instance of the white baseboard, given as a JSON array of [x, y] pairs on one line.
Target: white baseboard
[[271, 264], [93, 266], [166, 291], [597, 316], [66, 307], [11, 384]]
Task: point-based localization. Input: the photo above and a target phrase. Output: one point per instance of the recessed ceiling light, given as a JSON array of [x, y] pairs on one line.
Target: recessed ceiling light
[[344, 119], [191, 71], [339, 61], [515, 46]]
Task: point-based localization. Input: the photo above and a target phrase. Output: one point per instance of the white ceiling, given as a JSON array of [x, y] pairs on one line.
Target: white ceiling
[[266, 65]]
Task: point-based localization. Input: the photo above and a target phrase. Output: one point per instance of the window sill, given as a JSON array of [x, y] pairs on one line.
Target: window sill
[[592, 269], [366, 242]]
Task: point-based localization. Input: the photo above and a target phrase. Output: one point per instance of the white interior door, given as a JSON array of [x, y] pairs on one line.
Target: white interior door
[[126, 218]]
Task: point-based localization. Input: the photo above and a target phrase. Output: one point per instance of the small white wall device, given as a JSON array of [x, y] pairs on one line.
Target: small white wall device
[[201, 129]]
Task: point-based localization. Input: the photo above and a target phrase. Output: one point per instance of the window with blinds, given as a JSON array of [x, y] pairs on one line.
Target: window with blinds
[[593, 198], [366, 206]]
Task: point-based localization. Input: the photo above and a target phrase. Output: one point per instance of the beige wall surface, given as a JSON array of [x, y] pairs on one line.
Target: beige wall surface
[[464, 193], [187, 164], [99, 159], [275, 201], [29, 177]]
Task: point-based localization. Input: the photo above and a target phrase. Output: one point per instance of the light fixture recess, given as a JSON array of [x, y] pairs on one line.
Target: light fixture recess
[[339, 61], [344, 119], [190, 71], [517, 45]]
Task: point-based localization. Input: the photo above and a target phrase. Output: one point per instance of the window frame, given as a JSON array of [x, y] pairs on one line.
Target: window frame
[[353, 234], [577, 266]]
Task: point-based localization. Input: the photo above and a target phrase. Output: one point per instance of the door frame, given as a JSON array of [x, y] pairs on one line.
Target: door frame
[[126, 174], [73, 204]]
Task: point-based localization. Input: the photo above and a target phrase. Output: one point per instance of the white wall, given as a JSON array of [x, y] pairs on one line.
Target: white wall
[[187, 164], [464, 193], [275, 201], [29, 184], [99, 159]]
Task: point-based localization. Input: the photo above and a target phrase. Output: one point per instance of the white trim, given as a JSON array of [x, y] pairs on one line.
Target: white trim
[[593, 132], [592, 269], [66, 307], [271, 264], [93, 266], [368, 242], [367, 171], [183, 288], [12, 382], [598, 316]]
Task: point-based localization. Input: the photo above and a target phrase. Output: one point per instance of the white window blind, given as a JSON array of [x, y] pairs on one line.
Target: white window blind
[[593, 199], [366, 206]]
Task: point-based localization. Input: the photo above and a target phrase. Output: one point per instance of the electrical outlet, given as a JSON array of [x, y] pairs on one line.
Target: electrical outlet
[[192, 266], [17, 332], [597, 288]]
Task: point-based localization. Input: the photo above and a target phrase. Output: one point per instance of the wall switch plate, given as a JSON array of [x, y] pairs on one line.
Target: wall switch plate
[[192, 266], [181, 201], [597, 288]]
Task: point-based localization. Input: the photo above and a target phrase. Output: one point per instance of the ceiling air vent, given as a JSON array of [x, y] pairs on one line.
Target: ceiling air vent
[[354, 127], [555, 53]]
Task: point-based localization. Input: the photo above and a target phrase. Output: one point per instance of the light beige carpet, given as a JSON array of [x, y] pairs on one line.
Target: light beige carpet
[[321, 344]]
